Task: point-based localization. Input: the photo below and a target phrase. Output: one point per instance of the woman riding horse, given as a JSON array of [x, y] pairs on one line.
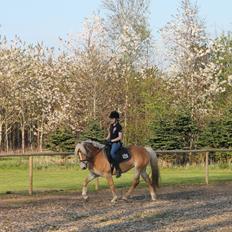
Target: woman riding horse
[[92, 155], [114, 139]]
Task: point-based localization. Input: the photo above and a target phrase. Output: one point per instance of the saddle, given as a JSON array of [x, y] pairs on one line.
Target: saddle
[[123, 154]]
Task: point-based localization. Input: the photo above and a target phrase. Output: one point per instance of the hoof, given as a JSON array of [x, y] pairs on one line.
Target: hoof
[[114, 200], [125, 198], [153, 198], [85, 197]]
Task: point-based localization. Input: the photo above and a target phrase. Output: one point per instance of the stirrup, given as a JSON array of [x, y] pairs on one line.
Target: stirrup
[[118, 173]]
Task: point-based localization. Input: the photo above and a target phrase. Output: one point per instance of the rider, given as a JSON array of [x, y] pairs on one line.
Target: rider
[[115, 137]]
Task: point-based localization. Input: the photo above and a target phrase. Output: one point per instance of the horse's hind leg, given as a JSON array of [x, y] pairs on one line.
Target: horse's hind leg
[[88, 179], [134, 184], [148, 181]]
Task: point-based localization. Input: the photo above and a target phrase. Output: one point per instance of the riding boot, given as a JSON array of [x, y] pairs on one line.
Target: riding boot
[[118, 170]]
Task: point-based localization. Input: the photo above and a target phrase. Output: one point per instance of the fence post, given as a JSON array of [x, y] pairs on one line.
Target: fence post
[[207, 167], [30, 175], [97, 184]]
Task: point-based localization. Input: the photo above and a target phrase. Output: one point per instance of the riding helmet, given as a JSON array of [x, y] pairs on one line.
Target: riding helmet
[[114, 114]]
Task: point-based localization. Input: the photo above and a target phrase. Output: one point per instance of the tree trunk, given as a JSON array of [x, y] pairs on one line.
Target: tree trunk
[[1, 125], [41, 139], [23, 137], [6, 137], [126, 108], [94, 99], [38, 137], [190, 148], [30, 137], [94, 107], [41, 134], [18, 139]]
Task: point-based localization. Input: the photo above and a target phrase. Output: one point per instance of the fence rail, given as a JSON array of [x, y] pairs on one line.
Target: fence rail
[[193, 151], [30, 155]]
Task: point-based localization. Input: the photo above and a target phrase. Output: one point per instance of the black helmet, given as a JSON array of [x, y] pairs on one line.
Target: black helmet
[[114, 114]]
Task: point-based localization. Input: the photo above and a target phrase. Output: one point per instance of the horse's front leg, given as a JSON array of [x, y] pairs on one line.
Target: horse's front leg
[[88, 179], [110, 181]]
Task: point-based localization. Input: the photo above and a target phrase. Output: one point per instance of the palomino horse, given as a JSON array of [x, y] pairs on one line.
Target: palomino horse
[[91, 154]]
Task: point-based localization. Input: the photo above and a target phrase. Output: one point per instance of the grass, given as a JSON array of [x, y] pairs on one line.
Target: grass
[[50, 175]]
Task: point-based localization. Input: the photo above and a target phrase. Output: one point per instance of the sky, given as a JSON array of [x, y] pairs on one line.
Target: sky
[[46, 20]]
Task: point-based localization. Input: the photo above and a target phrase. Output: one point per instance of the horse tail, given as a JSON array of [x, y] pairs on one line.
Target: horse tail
[[155, 175]]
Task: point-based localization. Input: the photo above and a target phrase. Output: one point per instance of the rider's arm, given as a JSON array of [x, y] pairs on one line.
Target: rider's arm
[[108, 136], [118, 138]]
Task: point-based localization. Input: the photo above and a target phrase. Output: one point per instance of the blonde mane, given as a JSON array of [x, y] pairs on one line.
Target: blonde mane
[[80, 146], [94, 143]]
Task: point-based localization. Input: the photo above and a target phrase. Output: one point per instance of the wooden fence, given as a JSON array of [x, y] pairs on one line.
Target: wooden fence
[[65, 154], [205, 151]]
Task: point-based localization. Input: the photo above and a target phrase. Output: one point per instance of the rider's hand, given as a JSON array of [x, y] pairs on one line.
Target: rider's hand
[[108, 141]]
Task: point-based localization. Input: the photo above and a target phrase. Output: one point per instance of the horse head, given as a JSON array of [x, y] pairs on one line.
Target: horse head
[[85, 151]]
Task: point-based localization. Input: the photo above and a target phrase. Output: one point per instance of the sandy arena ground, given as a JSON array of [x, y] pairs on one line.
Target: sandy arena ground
[[178, 208]]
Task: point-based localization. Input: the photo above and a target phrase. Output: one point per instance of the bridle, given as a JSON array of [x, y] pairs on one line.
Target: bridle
[[86, 159], [80, 155], [83, 161]]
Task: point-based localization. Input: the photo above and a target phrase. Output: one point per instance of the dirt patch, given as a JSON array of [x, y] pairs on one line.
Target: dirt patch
[[178, 208]]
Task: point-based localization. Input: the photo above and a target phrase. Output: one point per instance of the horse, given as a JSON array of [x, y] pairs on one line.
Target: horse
[[91, 155]]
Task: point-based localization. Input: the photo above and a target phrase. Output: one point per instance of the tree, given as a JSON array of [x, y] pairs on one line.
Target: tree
[[224, 56], [88, 68], [193, 74], [149, 100], [11, 65], [173, 132], [61, 140], [218, 132], [129, 36], [92, 130]]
